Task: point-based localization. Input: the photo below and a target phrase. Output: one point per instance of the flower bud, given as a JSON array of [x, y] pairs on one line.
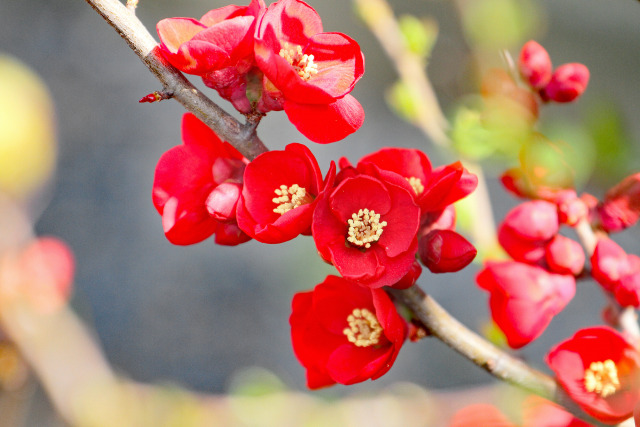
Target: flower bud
[[621, 207], [571, 209], [445, 251], [533, 220], [627, 293], [564, 255], [535, 65], [523, 250], [567, 83], [222, 201], [609, 263]]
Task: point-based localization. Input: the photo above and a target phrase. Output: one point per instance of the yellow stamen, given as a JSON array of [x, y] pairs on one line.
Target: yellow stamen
[[364, 329], [416, 183], [602, 378], [303, 63], [290, 198], [365, 227]]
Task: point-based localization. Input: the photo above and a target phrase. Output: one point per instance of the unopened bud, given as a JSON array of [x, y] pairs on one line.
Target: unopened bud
[[564, 255], [533, 220], [627, 293], [567, 83], [609, 263], [445, 251], [535, 65]]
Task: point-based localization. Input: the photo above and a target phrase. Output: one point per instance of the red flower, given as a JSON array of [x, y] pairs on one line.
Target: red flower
[[39, 274], [434, 189], [218, 47], [307, 72], [344, 333], [480, 415], [280, 194], [366, 226], [600, 370], [524, 298], [538, 412], [184, 188]]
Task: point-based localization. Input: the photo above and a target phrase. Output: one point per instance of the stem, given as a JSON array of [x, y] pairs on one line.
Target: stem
[[242, 137], [484, 354]]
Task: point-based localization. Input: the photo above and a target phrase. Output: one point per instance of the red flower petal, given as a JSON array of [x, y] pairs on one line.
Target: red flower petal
[[326, 123], [447, 185]]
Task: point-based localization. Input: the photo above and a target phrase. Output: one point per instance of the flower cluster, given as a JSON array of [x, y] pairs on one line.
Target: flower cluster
[[277, 58], [370, 221], [378, 221]]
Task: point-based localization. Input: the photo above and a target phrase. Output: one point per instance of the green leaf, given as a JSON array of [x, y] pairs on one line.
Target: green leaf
[[420, 35]]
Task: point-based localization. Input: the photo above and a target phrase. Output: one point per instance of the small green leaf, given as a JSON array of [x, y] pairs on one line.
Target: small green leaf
[[420, 35]]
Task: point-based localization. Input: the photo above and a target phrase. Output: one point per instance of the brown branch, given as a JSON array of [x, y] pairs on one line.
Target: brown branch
[[484, 354], [242, 137]]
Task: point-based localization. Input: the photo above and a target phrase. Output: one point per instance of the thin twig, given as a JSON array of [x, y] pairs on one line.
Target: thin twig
[[144, 45], [473, 347]]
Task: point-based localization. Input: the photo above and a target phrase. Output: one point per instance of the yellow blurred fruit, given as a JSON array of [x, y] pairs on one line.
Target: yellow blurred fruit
[[27, 129]]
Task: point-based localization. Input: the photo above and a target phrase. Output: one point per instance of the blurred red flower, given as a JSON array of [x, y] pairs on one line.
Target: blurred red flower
[[600, 370]]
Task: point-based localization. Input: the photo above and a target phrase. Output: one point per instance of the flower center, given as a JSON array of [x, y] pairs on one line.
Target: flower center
[[290, 198], [365, 227], [602, 378], [302, 63], [364, 329], [418, 188]]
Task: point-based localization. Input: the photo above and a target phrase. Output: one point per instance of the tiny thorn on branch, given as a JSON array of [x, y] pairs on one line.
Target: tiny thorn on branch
[[156, 97]]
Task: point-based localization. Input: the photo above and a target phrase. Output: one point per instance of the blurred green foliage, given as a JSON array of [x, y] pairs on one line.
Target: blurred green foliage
[[419, 34], [500, 24], [612, 156]]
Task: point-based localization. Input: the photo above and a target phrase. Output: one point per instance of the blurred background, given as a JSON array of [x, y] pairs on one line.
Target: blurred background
[[198, 316]]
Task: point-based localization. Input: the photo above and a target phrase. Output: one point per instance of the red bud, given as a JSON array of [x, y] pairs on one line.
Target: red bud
[[564, 255], [627, 292], [609, 263], [535, 65], [445, 251], [567, 83]]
